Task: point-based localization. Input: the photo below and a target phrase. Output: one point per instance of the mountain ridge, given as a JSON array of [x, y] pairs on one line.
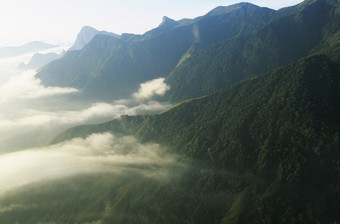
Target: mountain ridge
[[86, 34], [39, 60], [279, 42], [13, 51], [160, 45], [282, 128], [201, 55], [255, 137]]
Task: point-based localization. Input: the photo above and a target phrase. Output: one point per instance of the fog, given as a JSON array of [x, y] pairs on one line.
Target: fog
[[26, 86], [97, 153], [32, 113], [151, 88]]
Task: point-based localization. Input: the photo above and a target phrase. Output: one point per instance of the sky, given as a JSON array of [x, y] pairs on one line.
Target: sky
[[60, 20]]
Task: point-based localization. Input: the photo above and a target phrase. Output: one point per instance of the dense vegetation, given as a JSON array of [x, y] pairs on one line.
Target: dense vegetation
[[265, 148], [268, 147], [290, 34], [199, 56], [111, 68]]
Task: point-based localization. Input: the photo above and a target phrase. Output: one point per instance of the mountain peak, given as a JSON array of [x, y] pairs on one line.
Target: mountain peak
[[227, 9], [167, 22], [87, 29], [85, 35]]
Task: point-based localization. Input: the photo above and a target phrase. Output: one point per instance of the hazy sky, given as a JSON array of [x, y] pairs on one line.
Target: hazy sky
[[61, 20]]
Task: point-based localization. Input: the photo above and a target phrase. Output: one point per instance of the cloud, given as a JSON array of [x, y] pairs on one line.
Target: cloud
[[26, 86], [95, 154], [34, 113], [96, 112], [12, 207], [151, 88], [9, 64], [94, 222], [35, 126], [17, 93]]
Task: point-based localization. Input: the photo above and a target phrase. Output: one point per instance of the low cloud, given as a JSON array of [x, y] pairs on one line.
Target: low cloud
[[34, 113], [97, 153], [34, 127], [8, 66], [155, 87], [26, 86], [96, 112], [94, 222], [29, 114], [13, 207]]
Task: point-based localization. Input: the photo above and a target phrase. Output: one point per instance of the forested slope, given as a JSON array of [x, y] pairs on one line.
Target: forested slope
[[280, 131]]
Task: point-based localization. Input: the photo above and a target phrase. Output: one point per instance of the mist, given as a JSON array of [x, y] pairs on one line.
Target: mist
[[31, 114], [26, 86], [155, 87], [98, 153], [35, 113]]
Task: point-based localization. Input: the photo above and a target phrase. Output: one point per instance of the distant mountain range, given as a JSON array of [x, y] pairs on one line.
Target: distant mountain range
[[198, 56], [39, 60], [30, 47]]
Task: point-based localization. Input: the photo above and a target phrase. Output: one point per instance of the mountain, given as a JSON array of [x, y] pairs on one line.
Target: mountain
[[39, 60], [267, 148], [166, 24], [202, 55], [30, 47], [256, 139], [109, 68], [85, 35], [281, 41]]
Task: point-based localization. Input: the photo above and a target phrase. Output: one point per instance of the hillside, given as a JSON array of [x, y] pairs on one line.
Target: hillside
[[199, 56], [279, 132], [293, 33], [110, 68], [39, 60], [252, 136]]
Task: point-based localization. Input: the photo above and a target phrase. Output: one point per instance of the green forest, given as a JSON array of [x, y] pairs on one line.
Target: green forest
[[253, 136]]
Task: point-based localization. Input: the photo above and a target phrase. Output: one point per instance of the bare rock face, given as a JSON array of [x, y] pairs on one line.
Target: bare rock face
[[85, 35]]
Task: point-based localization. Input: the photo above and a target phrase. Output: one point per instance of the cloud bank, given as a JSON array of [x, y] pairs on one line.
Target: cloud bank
[[13, 207], [155, 87], [34, 113], [96, 154], [96, 112], [26, 86]]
